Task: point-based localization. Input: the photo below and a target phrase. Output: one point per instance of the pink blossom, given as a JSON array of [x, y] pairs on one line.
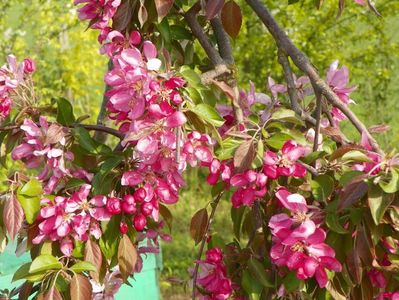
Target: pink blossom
[[276, 88], [197, 149], [251, 186], [29, 66], [212, 277], [377, 278], [387, 296], [361, 2], [285, 164], [99, 12]]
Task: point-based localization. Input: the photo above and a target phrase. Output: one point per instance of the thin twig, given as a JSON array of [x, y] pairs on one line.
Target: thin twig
[[303, 63], [214, 205], [318, 118], [191, 18], [292, 92], [311, 169]]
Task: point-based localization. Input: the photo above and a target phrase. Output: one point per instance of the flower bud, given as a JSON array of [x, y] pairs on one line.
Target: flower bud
[[129, 204], [123, 227], [146, 209], [29, 66], [139, 222], [140, 194], [114, 206]]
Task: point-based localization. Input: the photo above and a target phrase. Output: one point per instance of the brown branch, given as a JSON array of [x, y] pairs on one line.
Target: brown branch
[[214, 204], [191, 18], [303, 63], [318, 118], [223, 41], [219, 70], [292, 92], [311, 169]]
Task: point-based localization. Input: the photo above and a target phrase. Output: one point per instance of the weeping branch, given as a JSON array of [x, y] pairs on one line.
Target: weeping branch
[[303, 63]]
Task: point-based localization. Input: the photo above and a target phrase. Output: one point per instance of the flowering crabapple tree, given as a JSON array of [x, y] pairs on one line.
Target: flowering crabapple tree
[[315, 215]]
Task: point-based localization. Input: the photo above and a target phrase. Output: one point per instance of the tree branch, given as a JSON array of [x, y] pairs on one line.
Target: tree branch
[[223, 40], [303, 63], [219, 70], [214, 204], [318, 118], [292, 92], [191, 18]]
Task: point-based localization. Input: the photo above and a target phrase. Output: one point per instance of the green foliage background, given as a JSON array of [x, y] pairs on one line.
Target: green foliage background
[[69, 66]]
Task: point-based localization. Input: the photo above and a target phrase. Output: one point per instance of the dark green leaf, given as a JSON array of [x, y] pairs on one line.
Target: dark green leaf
[[258, 272], [208, 113], [378, 202], [332, 221], [65, 112], [322, 187]]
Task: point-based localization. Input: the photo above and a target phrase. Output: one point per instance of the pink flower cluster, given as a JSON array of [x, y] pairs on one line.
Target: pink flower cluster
[[72, 218], [338, 80], [212, 279], [99, 12], [12, 76], [298, 242], [44, 143]]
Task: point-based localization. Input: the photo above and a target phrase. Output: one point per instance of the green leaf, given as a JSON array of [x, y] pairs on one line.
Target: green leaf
[[291, 282], [227, 148], [355, 155], [164, 30], [180, 33], [100, 177], [237, 215], [258, 271], [277, 140], [194, 95], [22, 272], [287, 115], [332, 222], [378, 202], [392, 185], [29, 198], [251, 286], [322, 187], [32, 188], [82, 266], [65, 112], [292, 2], [109, 241], [348, 176], [208, 113], [191, 76], [44, 262], [88, 143]]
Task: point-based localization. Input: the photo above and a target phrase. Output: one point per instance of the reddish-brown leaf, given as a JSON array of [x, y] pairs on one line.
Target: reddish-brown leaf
[[344, 149], [199, 225], [13, 216], [93, 254], [355, 266], [124, 15], [127, 257], [353, 192], [80, 288], [231, 18], [213, 8], [225, 88], [25, 291], [163, 7], [53, 294], [244, 156], [143, 14], [334, 132]]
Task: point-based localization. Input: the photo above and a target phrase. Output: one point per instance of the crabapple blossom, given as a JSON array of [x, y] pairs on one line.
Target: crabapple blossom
[[99, 12], [285, 164], [251, 186]]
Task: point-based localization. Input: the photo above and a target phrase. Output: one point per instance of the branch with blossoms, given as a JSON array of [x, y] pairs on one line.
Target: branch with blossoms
[[314, 215]]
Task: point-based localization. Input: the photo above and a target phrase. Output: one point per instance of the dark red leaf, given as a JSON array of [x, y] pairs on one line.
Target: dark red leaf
[[80, 288], [163, 7], [213, 8], [13, 216], [93, 254], [231, 18], [199, 225], [127, 257], [353, 192], [244, 156]]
